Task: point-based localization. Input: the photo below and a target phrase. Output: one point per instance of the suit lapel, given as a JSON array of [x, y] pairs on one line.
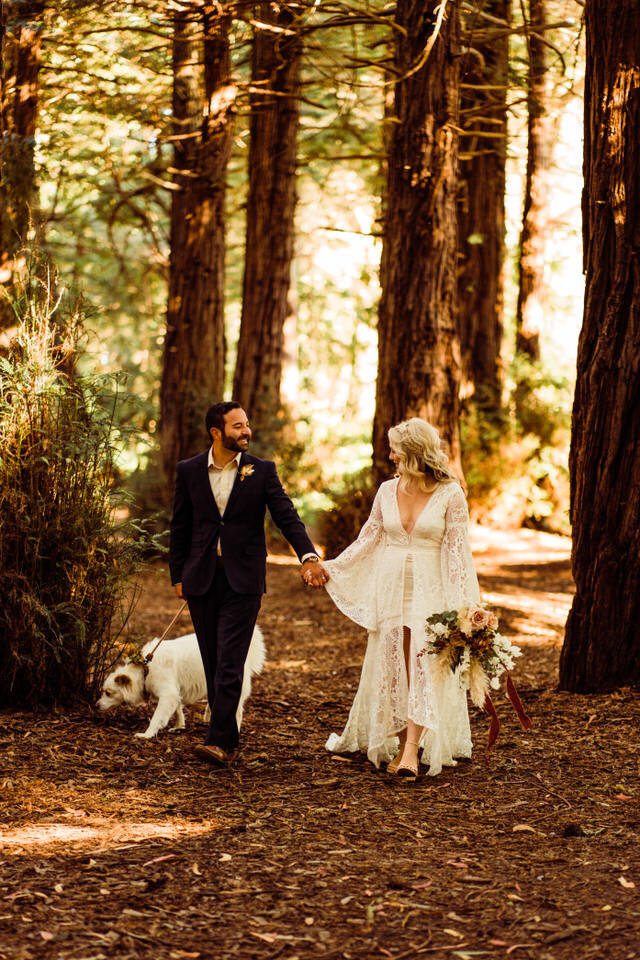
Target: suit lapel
[[235, 489]]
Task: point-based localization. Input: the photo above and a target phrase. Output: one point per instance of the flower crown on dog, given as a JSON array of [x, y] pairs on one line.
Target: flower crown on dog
[[136, 658]]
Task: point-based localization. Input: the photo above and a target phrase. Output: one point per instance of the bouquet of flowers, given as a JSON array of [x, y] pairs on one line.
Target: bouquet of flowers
[[467, 643]]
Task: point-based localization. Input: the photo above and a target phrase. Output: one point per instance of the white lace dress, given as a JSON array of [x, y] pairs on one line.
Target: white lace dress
[[388, 579]]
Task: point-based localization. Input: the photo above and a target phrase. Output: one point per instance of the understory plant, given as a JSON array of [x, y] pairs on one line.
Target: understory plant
[[516, 467], [67, 548]]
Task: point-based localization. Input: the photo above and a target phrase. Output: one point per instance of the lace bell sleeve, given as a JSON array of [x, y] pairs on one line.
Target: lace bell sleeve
[[459, 578], [351, 583]]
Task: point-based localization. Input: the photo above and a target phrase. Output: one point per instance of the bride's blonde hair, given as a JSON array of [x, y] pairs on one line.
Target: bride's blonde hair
[[418, 445]]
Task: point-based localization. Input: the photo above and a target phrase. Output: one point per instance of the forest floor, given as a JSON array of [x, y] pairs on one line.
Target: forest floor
[[114, 847]]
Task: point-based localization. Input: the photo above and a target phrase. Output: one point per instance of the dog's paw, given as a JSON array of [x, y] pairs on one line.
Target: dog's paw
[[144, 736]]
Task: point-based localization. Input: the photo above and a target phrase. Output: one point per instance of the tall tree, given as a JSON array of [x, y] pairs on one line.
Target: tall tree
[[481, 214], [275, 80], [531, 260], [203, 109], [602, 642], [21, 27], [418, 342]]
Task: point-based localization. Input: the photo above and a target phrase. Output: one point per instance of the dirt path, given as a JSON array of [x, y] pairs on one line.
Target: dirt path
[[114, 847]]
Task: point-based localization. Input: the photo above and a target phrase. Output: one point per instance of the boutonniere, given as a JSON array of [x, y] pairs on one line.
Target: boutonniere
[[246, 471]]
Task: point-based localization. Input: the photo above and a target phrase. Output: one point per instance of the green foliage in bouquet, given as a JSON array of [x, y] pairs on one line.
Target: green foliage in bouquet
[[67, 549]]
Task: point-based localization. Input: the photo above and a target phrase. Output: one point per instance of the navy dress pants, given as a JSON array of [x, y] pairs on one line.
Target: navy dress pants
[[223, 621]]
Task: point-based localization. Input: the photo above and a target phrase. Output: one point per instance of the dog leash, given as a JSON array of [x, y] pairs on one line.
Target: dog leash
[[149, 656]]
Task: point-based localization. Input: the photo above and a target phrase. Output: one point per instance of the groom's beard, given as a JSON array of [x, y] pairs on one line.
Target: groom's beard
[[230, 444]]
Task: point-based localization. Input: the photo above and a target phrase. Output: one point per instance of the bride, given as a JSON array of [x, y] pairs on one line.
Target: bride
[[412, 558]]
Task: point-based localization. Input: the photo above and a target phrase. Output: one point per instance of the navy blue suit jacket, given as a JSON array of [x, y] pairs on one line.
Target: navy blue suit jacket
[[196, 526]]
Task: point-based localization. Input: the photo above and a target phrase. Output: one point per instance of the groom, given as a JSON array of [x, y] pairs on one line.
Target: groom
[[217, 558]]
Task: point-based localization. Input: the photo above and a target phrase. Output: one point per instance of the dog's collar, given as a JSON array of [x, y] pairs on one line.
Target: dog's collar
[[139, 661]]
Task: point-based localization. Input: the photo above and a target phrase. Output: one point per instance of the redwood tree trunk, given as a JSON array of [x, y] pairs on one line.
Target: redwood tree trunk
[[481, 215], [530, 304], [270, 217], [419, 349], [602, 642], [21, 30], [203, 109]]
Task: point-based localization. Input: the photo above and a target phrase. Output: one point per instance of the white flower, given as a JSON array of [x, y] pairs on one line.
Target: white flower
[[439, 629], [495, 682]]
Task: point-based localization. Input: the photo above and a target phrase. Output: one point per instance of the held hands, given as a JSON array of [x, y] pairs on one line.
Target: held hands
[[313, 574]]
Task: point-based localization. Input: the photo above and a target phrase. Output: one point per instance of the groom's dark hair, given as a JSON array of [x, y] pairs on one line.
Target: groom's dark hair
[[215, 415]]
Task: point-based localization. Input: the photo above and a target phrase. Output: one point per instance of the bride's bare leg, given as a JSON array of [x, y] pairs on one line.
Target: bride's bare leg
[[413, 733], [393, 765], [402, 735]]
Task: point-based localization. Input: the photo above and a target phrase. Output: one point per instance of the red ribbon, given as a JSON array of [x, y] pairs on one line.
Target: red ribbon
[[494, 729], [516, 702]]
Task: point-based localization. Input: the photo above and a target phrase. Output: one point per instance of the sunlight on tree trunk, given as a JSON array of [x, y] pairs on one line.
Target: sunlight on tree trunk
[[481, 214], [203, 109], [270, 218], [602, 642], [21, 28], [419, 349], [529, 308]]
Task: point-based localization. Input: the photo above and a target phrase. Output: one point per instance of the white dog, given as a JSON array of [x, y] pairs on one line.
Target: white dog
[[175, 677]]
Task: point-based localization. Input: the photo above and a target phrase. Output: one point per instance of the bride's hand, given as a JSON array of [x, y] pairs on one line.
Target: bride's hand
[[314, 574]]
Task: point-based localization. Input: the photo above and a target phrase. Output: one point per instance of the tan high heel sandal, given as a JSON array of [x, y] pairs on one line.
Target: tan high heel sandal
[[392, 766], [408, 771]]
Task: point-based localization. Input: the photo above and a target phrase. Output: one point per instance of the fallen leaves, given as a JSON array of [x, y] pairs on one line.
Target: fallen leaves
[[302, 857], [627, 884], [166, 856], [267, 937]]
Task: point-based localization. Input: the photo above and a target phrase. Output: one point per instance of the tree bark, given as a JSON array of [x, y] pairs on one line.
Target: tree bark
[[418, 342], [203, 110], [531, 261], [270, 217], [481, 212], [602, 643], [21, 28]]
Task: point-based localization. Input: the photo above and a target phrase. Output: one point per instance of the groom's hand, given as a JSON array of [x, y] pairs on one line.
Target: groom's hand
[[313, 574], [178, 589]]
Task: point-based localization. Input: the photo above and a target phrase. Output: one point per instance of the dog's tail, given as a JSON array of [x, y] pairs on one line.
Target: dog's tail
[[258, 651]]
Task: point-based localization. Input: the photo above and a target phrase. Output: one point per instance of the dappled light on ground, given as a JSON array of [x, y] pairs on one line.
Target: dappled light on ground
[[99, 830], [122, 848]]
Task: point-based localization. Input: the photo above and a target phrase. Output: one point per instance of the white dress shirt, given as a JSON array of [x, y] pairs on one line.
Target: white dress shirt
[[222, 480]]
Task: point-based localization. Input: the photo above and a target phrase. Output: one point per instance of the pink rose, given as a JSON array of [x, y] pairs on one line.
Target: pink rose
[[493, 621], [479, 619]]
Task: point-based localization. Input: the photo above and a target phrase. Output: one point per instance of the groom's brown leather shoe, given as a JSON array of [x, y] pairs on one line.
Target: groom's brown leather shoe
[[215, 755]]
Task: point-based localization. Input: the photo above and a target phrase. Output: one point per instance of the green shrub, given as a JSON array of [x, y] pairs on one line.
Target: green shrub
[[339, 526], [67, 550], [516, 467]]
